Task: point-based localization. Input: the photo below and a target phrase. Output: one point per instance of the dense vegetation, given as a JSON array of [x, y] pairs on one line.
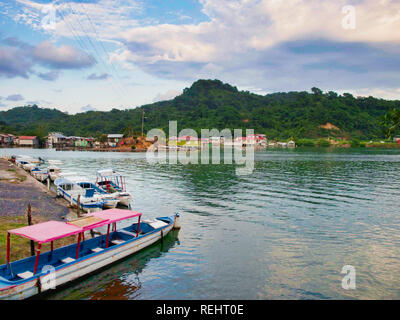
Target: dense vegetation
[[213, 104]]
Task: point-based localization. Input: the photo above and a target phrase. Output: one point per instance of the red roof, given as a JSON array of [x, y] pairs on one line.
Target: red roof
[[27, 137]]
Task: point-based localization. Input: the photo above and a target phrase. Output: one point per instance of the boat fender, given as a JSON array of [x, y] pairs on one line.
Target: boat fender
[[162, 235]]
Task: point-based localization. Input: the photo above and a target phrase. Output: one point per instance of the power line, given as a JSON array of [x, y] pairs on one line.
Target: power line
[[96, 51], [102, 45]]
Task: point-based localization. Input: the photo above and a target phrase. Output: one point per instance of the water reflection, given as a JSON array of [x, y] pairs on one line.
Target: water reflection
[[121, 280]]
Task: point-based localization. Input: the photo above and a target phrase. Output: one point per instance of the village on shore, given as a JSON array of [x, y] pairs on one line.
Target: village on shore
[[119, 142]]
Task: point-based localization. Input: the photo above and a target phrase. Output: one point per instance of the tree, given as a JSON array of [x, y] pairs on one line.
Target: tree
[[316, 91]]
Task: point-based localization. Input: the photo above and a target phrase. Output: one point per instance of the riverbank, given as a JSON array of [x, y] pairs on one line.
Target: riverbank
[[17, 190]]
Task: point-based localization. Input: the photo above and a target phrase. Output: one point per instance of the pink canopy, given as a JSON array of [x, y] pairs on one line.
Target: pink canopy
[[47, 231], [114, 215]]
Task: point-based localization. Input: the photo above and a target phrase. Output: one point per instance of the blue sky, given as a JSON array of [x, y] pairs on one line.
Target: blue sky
[[85, 55]]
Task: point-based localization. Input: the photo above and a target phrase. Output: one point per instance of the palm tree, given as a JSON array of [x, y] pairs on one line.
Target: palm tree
[[391, 121]]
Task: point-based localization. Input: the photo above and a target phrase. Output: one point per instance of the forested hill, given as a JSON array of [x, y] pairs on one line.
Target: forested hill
[[213, 104]]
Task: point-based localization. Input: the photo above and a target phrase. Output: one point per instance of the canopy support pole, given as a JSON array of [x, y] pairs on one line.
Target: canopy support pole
[[8, 247], [37, 257], [138, 226], [108, 235], [77, 246]]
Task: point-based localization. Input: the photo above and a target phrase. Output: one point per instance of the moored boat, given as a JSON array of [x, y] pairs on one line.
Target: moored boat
[[54, 172], [110, 201], [114, 183], [70, 192], [33, 275], [40, 174]]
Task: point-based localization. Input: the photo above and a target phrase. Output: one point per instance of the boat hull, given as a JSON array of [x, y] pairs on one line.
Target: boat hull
[[83, 266]]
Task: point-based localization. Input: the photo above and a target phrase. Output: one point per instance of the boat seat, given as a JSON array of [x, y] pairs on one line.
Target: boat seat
[[67, 260], [25, 275], [97, 249], [117, 241], [128, 233]]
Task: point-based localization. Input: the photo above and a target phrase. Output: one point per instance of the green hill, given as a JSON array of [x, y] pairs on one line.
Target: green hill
[[213, 104]]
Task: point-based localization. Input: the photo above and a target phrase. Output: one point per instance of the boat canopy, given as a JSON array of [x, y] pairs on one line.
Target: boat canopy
[[107, 173], [115, 215], [60, 181], [47, 231], [52, 230]]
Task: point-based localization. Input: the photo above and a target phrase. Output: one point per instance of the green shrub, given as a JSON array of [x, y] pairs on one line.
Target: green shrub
[[323, 143], [305, 143], [133, 148]]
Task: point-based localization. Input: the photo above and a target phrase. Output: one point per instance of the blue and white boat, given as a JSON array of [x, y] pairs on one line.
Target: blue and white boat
[[40, 174], [70, 192], [109, 200], [113, 183], [48, 270]]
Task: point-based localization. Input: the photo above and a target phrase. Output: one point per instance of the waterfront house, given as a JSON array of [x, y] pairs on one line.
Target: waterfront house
[[291, 144], [6, 139], [56, 140], [82, 142], [28, 141], [114, 139], [255, 140]]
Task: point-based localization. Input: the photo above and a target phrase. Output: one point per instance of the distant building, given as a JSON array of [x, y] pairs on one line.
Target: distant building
[[56, 140], [6, 139], [113, 139], [396, 139], [255, 140], [82, 142], [291, 144], [28, 141]]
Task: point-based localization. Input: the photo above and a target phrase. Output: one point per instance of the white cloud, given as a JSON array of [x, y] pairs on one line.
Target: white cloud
[[170, 94]]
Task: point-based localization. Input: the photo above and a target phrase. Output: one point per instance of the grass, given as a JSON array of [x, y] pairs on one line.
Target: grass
[[20, 247]]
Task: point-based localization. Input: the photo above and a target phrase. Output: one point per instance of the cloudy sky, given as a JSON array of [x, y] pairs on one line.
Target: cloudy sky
[[85, 55]]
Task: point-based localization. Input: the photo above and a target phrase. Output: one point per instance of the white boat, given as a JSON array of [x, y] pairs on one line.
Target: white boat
[[29, 166], [31, 276], [70, 192], [109, 200], [40, 174], [114, 183], [54, 172]]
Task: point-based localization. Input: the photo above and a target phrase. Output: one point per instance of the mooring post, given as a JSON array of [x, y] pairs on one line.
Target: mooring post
[[77, 205], [29, 224]]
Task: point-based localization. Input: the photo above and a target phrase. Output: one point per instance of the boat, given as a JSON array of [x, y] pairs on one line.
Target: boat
[[21, 162], [109, 200], [70, 192], [34, 275], [112, 182], [29, 166], [40, 174], [54, 172]]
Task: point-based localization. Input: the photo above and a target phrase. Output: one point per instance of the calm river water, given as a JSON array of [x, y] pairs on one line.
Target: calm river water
[[283, 232]]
